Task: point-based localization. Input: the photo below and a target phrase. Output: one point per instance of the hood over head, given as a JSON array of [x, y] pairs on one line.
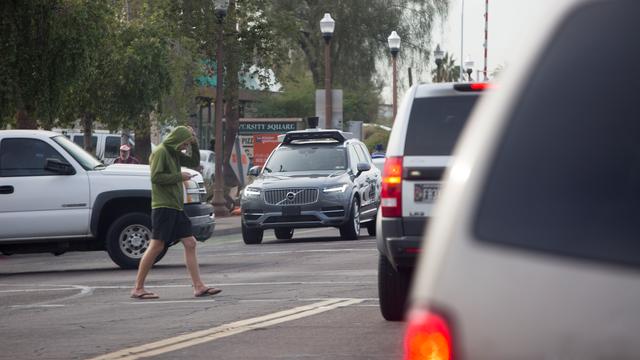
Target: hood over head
[[176, 137]]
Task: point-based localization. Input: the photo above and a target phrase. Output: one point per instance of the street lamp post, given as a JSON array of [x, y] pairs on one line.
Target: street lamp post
[[468, 65], [439, 55], [394, 47], [327, 25], [221, 7]]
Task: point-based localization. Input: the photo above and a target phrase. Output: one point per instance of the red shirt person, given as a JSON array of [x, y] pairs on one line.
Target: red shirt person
[[125, 156]]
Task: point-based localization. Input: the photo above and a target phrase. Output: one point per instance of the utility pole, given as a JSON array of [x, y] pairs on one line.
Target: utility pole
[[462, 42], [486, 37]]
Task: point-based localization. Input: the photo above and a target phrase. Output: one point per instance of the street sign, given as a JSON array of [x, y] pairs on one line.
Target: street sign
[[263, 144], [239, 162]]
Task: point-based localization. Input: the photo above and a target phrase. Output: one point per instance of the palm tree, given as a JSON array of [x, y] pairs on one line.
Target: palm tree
[[448, 71]]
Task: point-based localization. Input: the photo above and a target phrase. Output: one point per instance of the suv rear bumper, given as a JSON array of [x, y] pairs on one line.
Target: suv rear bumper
[[202, 220], [400, 248]]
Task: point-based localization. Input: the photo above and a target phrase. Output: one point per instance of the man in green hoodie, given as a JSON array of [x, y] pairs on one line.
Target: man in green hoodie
[[168, 220]]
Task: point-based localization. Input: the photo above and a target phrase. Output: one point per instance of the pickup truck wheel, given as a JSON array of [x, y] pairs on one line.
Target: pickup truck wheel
[[128, 238], [251, 236], [351, 229], [283, 233], [393, 288]]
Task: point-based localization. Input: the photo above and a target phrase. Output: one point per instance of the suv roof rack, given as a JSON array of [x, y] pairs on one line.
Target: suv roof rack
[[312, 135]]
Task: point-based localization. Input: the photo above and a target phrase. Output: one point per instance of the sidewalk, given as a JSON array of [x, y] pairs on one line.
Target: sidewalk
[[227, 225]]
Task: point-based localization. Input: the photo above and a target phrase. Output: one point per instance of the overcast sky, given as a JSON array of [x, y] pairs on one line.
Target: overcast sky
[[509, 20]]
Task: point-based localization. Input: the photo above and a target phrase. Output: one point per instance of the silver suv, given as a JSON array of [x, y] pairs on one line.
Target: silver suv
[[424, 133], [314, 178]]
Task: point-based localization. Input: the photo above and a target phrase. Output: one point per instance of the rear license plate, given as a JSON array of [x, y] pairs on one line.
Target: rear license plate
[[426, 193], [290, 210]]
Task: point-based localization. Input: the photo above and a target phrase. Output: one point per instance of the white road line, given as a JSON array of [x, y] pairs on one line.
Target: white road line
[[37, 306], [254, 253], [36, 290], [203, 336], [277, 283]]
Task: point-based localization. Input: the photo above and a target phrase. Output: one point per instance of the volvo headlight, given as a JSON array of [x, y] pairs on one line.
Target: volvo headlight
[[336, 189], [252, 191]]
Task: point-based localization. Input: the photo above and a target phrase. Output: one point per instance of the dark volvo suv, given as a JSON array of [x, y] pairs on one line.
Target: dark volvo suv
[[314, 178]]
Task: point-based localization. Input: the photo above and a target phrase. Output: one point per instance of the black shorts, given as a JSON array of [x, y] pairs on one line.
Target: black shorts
[[169, 225]]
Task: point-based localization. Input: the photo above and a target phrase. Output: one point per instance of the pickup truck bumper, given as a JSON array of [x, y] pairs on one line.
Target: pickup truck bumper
[[202, 220]]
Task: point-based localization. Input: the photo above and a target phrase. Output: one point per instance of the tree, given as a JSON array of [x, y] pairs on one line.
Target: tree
[[44, 43], [360, 37]]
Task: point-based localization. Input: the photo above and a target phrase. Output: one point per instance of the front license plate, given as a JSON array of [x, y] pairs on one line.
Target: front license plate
[[426, 193], [290, 210]]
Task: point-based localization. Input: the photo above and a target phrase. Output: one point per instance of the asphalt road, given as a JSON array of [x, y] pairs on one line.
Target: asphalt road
[[313, 297]]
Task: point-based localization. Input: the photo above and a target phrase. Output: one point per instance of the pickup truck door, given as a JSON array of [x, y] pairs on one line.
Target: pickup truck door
[[36, 202]]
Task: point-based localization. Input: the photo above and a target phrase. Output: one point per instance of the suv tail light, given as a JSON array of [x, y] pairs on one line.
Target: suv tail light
[[427, 337], [391, 195]]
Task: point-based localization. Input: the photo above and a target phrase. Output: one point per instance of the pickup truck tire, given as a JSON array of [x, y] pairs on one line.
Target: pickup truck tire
[[128, 238], [393, 288], [351, 229], [251, 236]]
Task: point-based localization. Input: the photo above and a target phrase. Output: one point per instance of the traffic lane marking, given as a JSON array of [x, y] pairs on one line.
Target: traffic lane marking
[[86, 291], [233, 328]]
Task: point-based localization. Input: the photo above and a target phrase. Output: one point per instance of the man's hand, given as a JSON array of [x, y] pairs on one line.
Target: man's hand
[[194, 138], [185, 176]]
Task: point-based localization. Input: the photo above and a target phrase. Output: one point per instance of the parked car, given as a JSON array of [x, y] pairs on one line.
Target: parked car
[[424, 132], [56, 197], [314, 178], [534, 251], [106, 146], [208, 164]]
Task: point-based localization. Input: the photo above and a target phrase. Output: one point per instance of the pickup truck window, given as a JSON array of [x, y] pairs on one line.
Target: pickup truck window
[[86, 160], [25, 157]]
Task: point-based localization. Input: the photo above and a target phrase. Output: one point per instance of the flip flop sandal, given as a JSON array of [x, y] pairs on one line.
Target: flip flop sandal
[[145, 296], [208, 292]]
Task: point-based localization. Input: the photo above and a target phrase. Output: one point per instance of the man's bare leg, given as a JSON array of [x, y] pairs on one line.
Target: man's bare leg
[[147, 261], [191, 260]]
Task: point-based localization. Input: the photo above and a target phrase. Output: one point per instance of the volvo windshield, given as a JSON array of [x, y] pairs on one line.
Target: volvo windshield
[[307, 158]]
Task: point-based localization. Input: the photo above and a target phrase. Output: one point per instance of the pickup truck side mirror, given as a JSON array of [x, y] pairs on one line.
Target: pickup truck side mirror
[[255, 171], [59, 167], [363, 167]]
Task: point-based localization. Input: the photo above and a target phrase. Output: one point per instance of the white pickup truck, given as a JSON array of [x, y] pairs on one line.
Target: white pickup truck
[[56, 197]]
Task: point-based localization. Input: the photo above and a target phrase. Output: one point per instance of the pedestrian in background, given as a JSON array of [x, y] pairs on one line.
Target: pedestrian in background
[[125, 156], [168, 221]]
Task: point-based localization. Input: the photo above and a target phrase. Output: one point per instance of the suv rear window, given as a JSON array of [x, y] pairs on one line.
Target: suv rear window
[[435, 124], [566, 177]]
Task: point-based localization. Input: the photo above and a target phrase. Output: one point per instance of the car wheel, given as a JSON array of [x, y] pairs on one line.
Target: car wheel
[[393, 288], [351, 229], [251, 236], [128, 238], [283, 233]]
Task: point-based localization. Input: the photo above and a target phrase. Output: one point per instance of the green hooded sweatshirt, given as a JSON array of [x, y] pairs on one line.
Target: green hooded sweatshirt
[[166, 176]]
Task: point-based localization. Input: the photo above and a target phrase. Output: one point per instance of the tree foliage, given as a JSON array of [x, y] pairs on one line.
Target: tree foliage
[[43, 44]]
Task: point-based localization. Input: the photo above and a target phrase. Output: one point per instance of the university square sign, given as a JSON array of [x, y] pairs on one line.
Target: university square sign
[[266, 127]]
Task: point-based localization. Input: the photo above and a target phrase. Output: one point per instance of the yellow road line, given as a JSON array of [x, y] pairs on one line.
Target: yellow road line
[[203, 336]]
